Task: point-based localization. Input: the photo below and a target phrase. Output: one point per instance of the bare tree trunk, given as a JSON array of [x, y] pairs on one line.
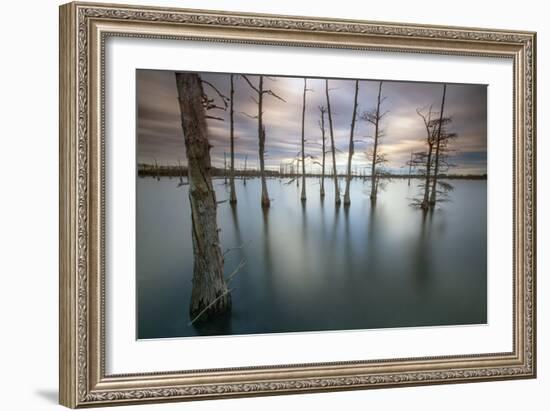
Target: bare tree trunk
[[425, 202], [374, 187], [303, 196], [210, 295], [347, 199], [335, 172], [232, 195], [324, 152], [261, 138], [438, 141]]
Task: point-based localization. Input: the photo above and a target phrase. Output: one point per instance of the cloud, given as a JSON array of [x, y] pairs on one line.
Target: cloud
[[160, 137]]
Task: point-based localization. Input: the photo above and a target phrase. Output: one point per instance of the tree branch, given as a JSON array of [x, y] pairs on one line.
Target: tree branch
[[252, 86]]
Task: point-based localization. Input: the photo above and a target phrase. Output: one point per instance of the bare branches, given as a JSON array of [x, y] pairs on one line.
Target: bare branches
[[374, 116], [252, 86], [262, 91], [222, 96], [435, 160], [247, 115], [271, 93], [210, 103], [214, 118]]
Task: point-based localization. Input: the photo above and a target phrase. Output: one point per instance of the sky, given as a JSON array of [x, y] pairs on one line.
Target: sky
[[160, 136]]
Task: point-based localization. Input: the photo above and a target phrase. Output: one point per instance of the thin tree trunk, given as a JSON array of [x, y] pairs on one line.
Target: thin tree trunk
[[265, 197], [324, 154], [425, 202], [347, 199], [303, 196], [438, 141], [232, 195], [374, 186], [261, 138], [210, 295], [337, 199]]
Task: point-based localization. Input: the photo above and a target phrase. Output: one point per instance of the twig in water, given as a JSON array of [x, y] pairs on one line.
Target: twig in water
[[236, 270], [209, 305], [240, 247]]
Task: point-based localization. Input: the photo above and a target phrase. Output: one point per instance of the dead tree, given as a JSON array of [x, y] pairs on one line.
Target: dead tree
[[265, 196], [297, 170], [374, 117], [435, 159], [232, 195], [423, 160], [260, 92], [337, 199], [210, 295], [323, 110], [438, 149], [303, 196], [351, 151]]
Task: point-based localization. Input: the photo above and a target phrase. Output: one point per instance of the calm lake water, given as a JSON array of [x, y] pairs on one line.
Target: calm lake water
[[317, 267]]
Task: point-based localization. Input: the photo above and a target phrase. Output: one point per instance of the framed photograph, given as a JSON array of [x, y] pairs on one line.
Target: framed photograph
[[258, 204]]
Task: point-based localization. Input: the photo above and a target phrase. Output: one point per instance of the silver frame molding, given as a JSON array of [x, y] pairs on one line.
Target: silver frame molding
[[84, 28]]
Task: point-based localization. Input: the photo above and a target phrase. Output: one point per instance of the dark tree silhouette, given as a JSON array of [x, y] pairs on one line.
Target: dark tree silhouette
[[337, 199], [347, 200], [435, 159], [232, 195], [322, 111], [303, 196], [374, 117], [260, 92], [423, 160], [438, 138]]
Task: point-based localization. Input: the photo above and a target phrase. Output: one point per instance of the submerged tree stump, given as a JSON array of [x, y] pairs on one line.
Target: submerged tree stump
[[210, 295]]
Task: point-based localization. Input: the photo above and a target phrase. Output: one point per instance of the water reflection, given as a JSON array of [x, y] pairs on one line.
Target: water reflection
[[314, 266], [421, 251]]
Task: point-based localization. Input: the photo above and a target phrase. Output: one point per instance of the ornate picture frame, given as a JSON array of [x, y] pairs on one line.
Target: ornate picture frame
[[84, 29]]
